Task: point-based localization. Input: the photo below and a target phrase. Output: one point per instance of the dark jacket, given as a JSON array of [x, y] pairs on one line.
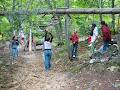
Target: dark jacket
[[15, 43]]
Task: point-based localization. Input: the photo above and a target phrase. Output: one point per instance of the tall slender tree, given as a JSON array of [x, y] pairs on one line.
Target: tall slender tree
[[113, 16], [101, 6]]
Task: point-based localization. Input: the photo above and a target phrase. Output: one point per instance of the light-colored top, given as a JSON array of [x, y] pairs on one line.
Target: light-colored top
[[95, 34], [47, 45]]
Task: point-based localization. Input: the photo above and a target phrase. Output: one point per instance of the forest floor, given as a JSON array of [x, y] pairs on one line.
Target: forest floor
[[28, 72]]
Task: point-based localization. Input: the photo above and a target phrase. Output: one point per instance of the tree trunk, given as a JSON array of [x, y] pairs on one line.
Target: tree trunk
[[113, 17], [118, 27], [49, 4], [60, 28], [101, 6], [67, 19], [30, 39], [13, 7], [65, 11]]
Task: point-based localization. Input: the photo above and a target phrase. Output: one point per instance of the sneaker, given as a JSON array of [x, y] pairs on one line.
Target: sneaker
[[92, 61], [74, 56], [90, 45], [102, 60]]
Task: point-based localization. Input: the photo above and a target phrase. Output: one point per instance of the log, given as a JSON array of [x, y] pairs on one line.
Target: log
[[64, 11]]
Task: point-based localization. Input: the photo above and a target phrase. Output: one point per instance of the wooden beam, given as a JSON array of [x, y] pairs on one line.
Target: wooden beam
[[65, 11]]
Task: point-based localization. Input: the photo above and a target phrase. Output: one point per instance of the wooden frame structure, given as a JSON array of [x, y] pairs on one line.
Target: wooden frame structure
[[64, 11]]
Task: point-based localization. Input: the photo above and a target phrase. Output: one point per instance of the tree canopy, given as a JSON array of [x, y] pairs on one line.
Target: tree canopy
[[80, 22]]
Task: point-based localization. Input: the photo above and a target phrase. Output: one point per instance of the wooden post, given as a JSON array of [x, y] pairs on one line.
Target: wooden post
[[67, 33], [67, 18]]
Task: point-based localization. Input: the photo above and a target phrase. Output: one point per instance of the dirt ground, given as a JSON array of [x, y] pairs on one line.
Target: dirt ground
[[28, 73]]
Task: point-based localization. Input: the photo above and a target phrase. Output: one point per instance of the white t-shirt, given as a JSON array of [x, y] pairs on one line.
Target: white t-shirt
[[95, 34], [47, 45]]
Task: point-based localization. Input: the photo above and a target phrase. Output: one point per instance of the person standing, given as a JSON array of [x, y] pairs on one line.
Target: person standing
[[48, 38], [14, 46], [75, 39], [47, 53], [106, 34], [94, 36]]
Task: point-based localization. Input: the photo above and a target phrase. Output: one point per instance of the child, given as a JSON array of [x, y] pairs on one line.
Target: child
[[75, 39], [47, 53], [14, 46]]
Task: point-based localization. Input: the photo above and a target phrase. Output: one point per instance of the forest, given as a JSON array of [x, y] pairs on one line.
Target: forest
[[61, 18]]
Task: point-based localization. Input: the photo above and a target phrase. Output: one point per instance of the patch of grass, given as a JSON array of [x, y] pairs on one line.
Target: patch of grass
[[1, 77], [83, 56], [75, 69], [78, 68]]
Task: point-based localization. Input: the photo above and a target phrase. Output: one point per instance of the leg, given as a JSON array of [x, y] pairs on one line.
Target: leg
[[46, 62], [91, 50], [105, 46], [50, 56], [75, 49], [17, 51], [13, 53]]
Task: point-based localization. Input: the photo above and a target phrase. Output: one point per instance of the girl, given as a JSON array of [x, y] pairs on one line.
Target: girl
[[94, 35]]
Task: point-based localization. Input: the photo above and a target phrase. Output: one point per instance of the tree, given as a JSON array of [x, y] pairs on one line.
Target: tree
[[113, 16]]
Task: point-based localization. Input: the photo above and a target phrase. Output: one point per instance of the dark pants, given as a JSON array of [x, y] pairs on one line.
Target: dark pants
[[74, 49]]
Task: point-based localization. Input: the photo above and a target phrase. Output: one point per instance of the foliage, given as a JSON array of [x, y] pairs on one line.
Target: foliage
[[81, 23]]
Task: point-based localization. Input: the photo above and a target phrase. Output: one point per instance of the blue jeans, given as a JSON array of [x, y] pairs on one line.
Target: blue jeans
[[14, 53], [17, 50], [105, 45], [47, 62], [74, 49]]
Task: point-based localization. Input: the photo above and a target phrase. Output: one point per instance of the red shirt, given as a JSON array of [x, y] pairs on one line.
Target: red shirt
[[74, 38], [106, 33], [89, 39]]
